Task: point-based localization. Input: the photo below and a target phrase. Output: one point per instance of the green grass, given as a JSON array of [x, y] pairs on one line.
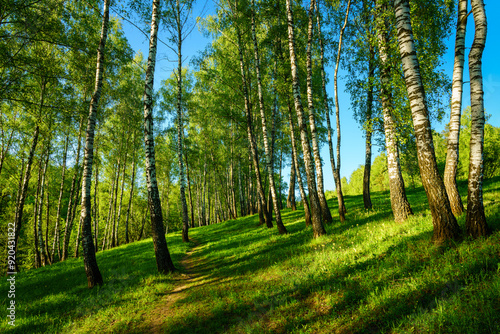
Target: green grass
[[368, 275]]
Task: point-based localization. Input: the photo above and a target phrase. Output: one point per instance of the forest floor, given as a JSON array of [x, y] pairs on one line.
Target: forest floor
[[191, 272], [367, 275]]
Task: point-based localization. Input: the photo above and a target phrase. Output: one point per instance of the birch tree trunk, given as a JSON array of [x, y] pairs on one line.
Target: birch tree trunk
[[444, 222], [23, 190], [268, 150], [190, 194], [450, 169], [41, 242], [111, 240], [399, 203], [96, 204], [475, 221], [180, 127], [47, 222], [367, 201], [94, 276], [163, 261], [290, 200], [251, 138], [325, 211], [56, 242], [131, 195], [38, 258], [295, 168], [327, 106], [72, 202], [336, 172], [105, 240], [117, 243], [316, 216]]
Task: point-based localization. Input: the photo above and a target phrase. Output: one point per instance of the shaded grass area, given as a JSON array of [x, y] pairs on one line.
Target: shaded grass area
[[55, 299], [368, 275]]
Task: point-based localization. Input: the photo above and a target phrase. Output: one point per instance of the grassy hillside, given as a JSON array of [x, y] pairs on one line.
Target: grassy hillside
[[368, 275]]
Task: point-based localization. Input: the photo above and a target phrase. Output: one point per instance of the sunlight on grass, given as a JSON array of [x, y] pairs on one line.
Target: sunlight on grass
[[367, 275]]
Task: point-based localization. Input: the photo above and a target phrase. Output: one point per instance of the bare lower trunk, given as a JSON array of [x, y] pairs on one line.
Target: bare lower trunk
[[41, 241], [111, 240], [450, 170], [117, 239], [367, 201], [94, 276], [72, 201], [56, 242], [96, 206], [295, 167], [22, 198], [476, 220], [290, 200], [131, 195], [180, 127], [316, 216], [105, 240], [325, 210], [444, 222], [47, 222], [190, 194], [164, 263], [268, 150], [338, 183], [251, 137], [399, 203], [38, 258]]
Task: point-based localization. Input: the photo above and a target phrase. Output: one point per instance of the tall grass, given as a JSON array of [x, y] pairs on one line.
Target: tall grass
[[368, 275]]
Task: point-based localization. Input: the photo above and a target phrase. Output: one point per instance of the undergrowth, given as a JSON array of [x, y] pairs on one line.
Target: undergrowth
[[368, 275]]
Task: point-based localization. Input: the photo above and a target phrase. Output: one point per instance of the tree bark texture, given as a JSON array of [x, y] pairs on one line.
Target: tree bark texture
[[401, 208], [450, 170], [336, 172], [325, 210], [251, 137], [475, 221], [295, 168], [22, 195], [131, 196], [180, 128], [367, 201], [290, 200], [444, 222], [94, 276], [268, 150], [316, 216], [163, 261], [72, 201]]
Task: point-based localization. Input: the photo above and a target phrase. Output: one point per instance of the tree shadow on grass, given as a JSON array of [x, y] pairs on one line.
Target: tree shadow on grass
[[365, 307]]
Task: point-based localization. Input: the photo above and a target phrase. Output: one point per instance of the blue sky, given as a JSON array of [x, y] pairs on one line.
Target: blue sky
[[352, 146]]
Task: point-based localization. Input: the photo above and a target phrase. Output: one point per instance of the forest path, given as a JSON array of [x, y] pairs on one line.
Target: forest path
[[192, 272]]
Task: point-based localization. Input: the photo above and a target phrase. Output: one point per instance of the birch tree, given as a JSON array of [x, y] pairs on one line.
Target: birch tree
[[476, 221], [164, 263], [450, 170], [94, 276], [399, 203], [444, 222], [316, 216], [336, 168], [267, 149], [325, 211]]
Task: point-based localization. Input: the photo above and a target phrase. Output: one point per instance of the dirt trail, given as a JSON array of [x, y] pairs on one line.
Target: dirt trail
[[191, 272]]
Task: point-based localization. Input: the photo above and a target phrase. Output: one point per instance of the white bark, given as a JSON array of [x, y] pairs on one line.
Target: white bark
[[476, 221], [450, 171]]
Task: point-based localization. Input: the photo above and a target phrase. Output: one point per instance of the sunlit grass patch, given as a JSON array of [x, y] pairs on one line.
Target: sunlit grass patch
[[367, 275]]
